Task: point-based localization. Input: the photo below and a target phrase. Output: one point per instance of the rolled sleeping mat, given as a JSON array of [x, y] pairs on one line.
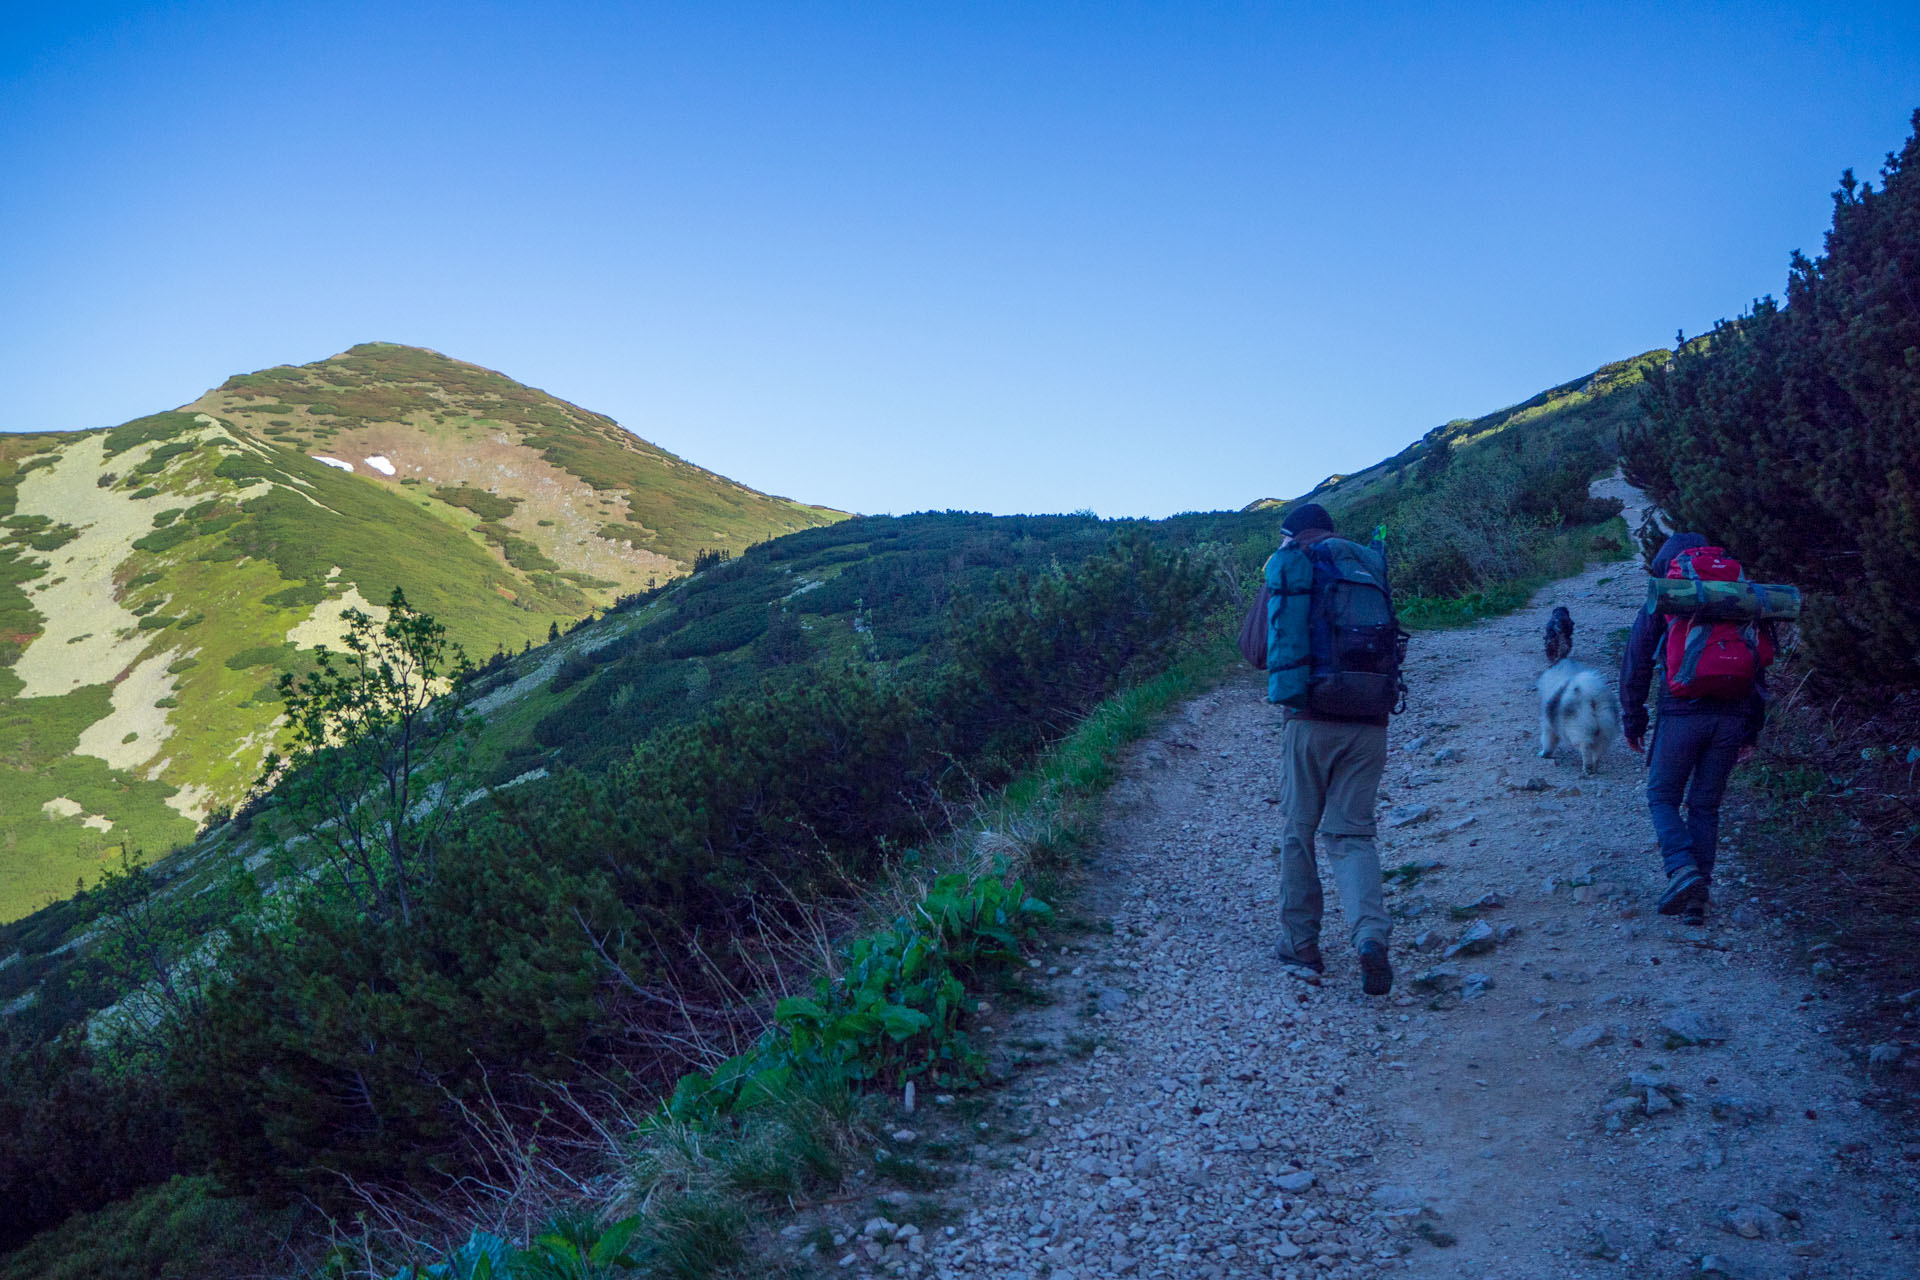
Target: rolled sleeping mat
[[1723, 601], [1289, 576]]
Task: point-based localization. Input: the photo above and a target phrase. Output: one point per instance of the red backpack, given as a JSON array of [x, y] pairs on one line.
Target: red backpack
[[1719, 660]]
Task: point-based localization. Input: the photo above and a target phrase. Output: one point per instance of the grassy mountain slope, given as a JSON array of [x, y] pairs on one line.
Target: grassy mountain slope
[[187, 559], [1478, 510], [868, 590], [1588, 410], [585, 493]]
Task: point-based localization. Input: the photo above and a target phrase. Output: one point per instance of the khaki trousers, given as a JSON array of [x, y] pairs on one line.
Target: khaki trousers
[[1330, 780]]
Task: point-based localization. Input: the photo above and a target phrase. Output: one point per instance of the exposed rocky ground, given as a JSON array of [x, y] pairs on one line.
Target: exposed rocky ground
[[1563, 1083]]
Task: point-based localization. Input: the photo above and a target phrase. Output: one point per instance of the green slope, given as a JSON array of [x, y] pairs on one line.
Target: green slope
[[157, 578], [448, 425], [1586, 412]]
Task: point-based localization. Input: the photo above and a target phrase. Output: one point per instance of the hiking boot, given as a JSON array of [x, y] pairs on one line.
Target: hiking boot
[[1683, 886], [1695, 916], [1376, 975], [1304, 956]]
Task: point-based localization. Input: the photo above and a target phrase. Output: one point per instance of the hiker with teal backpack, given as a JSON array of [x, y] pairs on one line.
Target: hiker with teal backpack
[[1711, 633], [1332, 647]]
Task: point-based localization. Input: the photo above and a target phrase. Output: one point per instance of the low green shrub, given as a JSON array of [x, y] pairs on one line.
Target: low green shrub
[[79, 1134], [893, 1011], [486, 505], [570, 1246], [157, 460], [166, 539], [721, 633]]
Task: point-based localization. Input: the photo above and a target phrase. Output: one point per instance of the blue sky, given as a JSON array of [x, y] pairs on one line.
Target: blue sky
[[1007, 257]]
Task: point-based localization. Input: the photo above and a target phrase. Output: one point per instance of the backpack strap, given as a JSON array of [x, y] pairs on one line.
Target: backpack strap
[[1685, 561], [1695, 645]]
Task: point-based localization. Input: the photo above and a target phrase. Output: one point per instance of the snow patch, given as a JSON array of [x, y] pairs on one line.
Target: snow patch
[[332, 462], [381, 463], [61, 807]]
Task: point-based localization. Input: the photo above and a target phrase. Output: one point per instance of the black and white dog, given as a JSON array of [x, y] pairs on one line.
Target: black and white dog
[[1576, 707]]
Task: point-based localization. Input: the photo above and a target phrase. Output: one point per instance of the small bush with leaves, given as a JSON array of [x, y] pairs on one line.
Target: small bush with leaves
[[367, 754], [895, 1009], [572, 1246]]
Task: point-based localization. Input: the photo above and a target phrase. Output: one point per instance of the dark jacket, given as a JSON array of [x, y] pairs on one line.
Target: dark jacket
[[1643, 653]]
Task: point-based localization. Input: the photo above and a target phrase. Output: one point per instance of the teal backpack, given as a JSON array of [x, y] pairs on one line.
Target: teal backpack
[[1334, 643]]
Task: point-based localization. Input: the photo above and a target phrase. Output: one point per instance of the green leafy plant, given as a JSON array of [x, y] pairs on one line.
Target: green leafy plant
[[896, 1008], [483, 1256], [368, 761], [576, 1247]]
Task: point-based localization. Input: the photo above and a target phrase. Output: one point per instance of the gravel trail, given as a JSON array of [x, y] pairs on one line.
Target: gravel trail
[[1590, 1091]]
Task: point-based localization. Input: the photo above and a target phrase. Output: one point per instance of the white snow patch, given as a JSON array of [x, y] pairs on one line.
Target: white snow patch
[[380, 462], [61, 807], [332, 462]]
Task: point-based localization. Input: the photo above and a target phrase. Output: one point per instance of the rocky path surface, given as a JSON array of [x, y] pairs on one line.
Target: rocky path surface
[[1586, 1090]]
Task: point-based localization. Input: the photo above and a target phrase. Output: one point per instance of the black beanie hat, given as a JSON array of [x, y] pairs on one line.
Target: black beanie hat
[[1310, 515]]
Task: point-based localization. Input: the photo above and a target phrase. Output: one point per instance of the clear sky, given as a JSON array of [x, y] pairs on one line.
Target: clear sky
[[1141, 258]]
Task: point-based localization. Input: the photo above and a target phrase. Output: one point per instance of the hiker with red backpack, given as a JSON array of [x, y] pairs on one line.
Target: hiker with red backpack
[[1711, 632]]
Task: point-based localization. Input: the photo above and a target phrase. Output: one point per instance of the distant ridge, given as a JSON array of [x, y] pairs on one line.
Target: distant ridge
[[1583, 403]]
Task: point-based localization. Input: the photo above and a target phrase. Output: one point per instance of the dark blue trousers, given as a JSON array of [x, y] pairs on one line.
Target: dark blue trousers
[[1691, 759]]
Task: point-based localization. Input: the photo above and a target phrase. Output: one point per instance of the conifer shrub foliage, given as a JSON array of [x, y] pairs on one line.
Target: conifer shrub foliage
[[342, 1044], [77, 1134], [339, 1046], [1045, 647], [1792, 434], [867, 589]]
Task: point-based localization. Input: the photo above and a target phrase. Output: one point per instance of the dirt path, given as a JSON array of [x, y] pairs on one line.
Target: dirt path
[[1189, 1110]]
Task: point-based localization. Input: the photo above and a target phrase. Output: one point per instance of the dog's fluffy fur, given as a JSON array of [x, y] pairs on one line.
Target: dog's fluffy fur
[[1576, 707]]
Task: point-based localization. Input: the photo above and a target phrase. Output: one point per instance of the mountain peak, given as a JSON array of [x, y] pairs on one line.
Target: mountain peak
[[390, 382]]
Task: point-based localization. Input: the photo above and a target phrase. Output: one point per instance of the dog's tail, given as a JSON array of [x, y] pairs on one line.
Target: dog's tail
[[1559, 634]]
